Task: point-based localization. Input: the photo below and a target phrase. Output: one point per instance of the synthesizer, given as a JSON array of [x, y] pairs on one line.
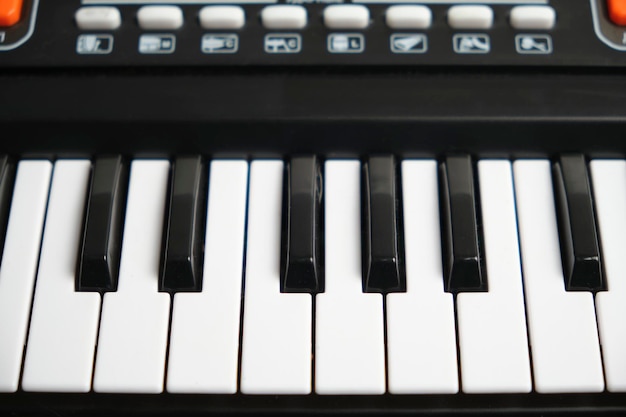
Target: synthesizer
[[312, 207]]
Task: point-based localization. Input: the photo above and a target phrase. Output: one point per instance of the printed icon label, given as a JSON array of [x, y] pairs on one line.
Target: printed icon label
[[472, 44], [157, 44], [533, 44], [220, 43], [408, 43], [94, 44], [283, 43], [342, 43], [3, 36]]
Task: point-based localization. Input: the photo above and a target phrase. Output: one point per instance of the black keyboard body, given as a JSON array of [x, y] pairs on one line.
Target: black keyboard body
[[55, 103]]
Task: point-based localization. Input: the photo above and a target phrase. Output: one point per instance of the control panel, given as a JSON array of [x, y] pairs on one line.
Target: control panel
[[312, 32]]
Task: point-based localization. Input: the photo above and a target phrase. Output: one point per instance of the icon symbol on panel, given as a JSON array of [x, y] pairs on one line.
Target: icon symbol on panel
[[157, 44], [409, 43], [533, 44], [283, 44], [220, 44], [94, 44], [339, 43], [472, 44], [3, 36]]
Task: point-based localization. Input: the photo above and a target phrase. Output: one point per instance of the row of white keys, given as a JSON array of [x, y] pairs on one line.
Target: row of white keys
[[134, 327], [64, 323], [562, 325], [276, 346], [421, 334], [609, 187], [204, 341], [19, 265], [350, 345], [492, 325], [349, 324]]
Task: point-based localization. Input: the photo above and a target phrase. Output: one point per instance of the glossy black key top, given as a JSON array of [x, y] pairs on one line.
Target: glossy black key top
[[184, 228], [104, 219], [383, 258], [462, 261], [302, 260], [7, 181], [580, 251]]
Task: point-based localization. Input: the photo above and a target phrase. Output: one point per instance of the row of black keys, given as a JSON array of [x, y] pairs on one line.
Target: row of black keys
[[302, 259]]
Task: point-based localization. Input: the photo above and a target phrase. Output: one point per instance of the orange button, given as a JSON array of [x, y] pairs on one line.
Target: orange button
[[10, 12], [617, 11]]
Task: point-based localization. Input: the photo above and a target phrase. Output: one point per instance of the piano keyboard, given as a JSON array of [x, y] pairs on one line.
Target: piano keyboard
[[335, 277]]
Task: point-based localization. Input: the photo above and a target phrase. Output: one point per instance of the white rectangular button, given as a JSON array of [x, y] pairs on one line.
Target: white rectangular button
[[349, 324], [533, 17], [160, 17], [562, 325], [346, 16], [222, 17], [421, 334], [135, 319], [98, 18], [609, 188], [470, 17], [204, 342], [19, 265], [64, 323], [284, 16], [492, 325], [408, 17], [277, 329]]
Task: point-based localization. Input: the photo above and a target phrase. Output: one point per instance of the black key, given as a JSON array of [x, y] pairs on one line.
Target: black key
[[7, 181], [580, 251], [302, 260], [463, 266], [104, 219], [383, 258], [184, 228]]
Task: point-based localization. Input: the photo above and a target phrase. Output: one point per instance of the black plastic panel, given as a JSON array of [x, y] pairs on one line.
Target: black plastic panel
[[66, 405], [282, 113]]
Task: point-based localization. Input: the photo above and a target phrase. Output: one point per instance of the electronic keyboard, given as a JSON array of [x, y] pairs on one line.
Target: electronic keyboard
[[291, 207]]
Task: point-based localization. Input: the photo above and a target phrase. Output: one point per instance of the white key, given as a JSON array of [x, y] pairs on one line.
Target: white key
[[421, 335], [160, 17], [284, 16], [492, 326], [276, 351], [408, 17], [19, 265], [135, 319], [470, 17], [98, 18], [562, 325], [609, 187], [349, 327], [204, 343], [346, 16], [222, 17], [64, 323]]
